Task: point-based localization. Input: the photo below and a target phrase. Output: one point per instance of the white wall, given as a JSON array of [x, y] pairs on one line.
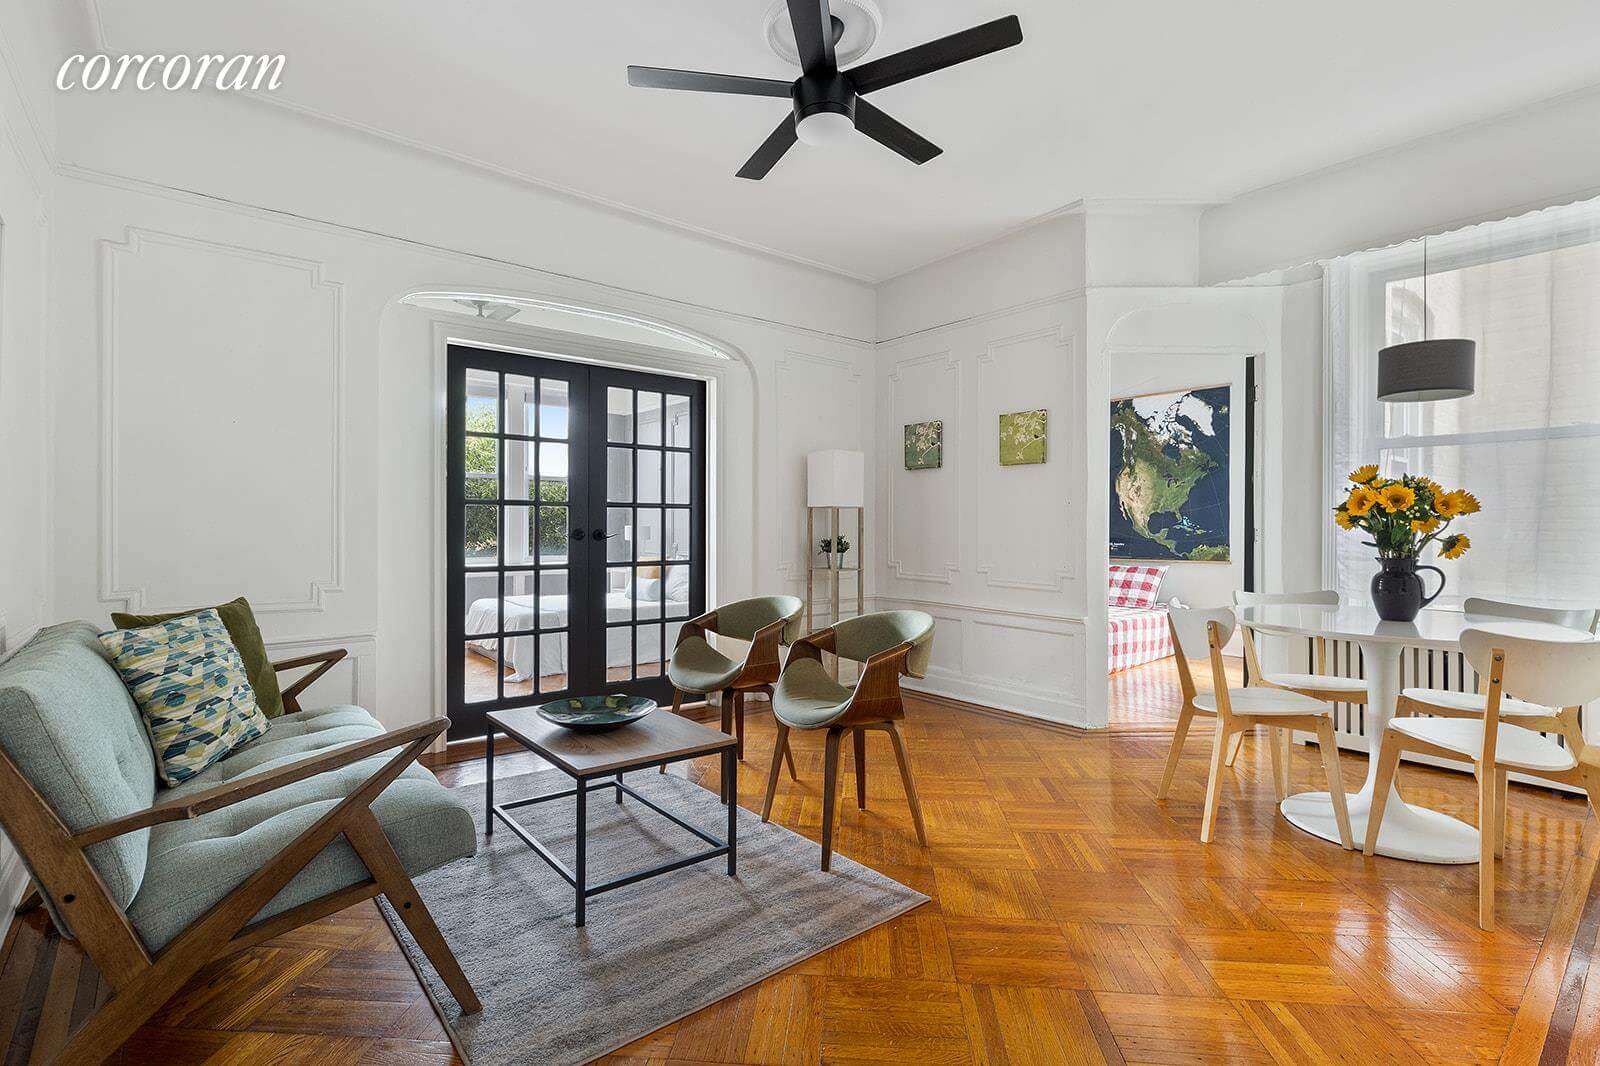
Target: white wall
[[27, 209], [255, 412]]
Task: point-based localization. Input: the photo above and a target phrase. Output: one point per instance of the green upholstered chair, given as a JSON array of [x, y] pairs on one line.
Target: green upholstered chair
[[889, 644], [322, 811], [699, 669]]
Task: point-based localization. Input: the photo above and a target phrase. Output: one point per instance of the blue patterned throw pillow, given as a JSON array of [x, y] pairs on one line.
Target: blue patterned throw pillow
[[190, 684]]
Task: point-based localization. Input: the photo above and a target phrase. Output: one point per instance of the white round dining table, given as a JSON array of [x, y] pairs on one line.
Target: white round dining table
[[1408, 832]]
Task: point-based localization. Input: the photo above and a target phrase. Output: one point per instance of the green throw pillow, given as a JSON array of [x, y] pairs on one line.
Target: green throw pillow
[[190, 685], [241, 623]]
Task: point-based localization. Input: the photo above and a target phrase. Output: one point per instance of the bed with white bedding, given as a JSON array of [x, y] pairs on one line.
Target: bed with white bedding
[[533, 656]]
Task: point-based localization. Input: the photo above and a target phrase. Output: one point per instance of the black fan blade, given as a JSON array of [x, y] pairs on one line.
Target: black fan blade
[[778, 142], [696, 81], [936, 55], [813, 34], [894, 134]]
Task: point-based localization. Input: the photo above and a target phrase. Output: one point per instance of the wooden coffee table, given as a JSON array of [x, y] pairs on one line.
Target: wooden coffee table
[[654, 740]]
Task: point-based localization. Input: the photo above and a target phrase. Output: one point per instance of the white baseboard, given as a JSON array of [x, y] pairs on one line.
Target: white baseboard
[[13, 877]]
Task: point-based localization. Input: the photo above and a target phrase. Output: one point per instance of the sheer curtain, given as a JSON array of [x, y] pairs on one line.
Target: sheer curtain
[[1527, 443]]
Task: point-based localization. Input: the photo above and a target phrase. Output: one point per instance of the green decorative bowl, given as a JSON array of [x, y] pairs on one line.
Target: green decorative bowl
[[596, 714]]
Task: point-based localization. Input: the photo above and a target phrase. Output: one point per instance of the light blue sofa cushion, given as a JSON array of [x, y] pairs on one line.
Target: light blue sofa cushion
[[69, 725], [195, 863]]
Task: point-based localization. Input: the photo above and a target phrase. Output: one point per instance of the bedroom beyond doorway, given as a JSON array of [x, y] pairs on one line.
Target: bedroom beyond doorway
[[576, 529]]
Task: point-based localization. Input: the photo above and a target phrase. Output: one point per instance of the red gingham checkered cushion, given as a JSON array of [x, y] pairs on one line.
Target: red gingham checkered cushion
[[1134, 586], [1136, 636]]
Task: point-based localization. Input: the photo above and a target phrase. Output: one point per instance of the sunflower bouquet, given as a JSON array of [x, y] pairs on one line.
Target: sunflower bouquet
[[1405, 515]]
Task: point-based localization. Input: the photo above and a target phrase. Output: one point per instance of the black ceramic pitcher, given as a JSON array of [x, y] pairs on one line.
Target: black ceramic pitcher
[[1397, 589]]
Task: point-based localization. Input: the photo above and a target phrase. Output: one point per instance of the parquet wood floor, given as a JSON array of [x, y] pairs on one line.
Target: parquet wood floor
[[1074, 919]]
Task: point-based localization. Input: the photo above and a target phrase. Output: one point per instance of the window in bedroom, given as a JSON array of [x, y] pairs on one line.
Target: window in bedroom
[[1527, 443]]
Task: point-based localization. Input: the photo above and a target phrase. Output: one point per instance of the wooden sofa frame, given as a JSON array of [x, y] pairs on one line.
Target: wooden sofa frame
[[141, 982]]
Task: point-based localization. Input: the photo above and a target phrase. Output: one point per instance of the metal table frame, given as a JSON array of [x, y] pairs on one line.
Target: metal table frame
[[583, 785]]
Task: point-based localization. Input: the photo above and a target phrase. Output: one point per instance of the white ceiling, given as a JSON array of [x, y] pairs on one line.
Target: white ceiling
[[1164, 99]]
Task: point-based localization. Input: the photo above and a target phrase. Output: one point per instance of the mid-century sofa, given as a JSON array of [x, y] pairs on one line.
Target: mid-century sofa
[[324, 810]]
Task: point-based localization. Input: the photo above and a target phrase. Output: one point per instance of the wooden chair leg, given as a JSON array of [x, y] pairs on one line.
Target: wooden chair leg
[[905, 779], [1488, 818], [1572, 729], [738, 722], [677, 705], [860, 742], [779, 750], [367, 837], [1179, 735], [1330, 766], [1219, 743], [1274, 739], [830, 792], [788, 755], [1233, 752], [1501, 791], [1388, 763]]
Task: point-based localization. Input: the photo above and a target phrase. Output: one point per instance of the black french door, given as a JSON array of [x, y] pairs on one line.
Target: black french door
[[575, 527]]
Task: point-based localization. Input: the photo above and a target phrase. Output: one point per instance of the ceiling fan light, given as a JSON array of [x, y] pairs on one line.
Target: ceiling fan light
[[823, 128]]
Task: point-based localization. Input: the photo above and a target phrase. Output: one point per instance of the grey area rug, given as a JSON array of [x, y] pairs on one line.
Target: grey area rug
[[651, 952]]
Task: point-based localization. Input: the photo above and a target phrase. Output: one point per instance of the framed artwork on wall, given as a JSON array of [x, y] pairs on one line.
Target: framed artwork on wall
[[1169, 477], [1023, 438], [925, 445]]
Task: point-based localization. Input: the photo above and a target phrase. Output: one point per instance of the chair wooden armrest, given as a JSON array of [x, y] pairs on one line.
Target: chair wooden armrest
[[761, 662], [322, 660], [812, 645], [698, 626], [251, 785], [877, 694]]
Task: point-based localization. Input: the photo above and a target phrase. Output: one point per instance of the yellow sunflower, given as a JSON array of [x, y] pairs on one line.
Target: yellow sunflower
[[1396, 497], [1362, 500], [1457, 503], [1454, 546], [1363, 474], [1425, 525], [1428, 483], [1343, 520]]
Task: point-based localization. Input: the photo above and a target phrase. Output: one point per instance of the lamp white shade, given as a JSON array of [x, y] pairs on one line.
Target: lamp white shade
[[836, 478]]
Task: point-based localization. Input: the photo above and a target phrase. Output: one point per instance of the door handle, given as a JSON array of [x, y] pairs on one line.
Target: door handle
[[577, 534], [600, 534]]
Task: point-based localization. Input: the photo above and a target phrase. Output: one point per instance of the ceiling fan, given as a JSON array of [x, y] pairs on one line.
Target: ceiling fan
[[828, 102]]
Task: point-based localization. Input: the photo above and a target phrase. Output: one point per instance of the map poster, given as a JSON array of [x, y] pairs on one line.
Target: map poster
[[1169, 476]]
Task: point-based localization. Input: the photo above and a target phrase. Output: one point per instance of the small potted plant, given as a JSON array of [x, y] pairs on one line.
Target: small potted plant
[[826, 547], [1403, 516]]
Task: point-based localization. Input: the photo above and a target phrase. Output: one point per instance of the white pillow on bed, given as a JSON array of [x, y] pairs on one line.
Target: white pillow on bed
[[648, 590], [677, 584]]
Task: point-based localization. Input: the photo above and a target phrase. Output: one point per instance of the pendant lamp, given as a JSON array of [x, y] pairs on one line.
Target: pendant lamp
[[1442, 368]]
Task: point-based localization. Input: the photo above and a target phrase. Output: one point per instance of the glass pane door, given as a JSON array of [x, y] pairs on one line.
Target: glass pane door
[[562, 583], [652, 499]]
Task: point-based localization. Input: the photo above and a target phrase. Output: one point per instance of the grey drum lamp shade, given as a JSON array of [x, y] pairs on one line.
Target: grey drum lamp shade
[[1419, 371]]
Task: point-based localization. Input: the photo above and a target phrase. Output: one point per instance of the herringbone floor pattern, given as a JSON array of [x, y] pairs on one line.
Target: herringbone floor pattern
[[1074, 919]]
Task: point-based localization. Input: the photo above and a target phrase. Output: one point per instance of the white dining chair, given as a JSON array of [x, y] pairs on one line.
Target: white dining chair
[[1551, 674], [1448, 703], [1241, 710], [1316, 683]]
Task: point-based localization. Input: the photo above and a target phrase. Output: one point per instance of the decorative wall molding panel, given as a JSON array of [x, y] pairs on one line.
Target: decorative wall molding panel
[[1018, 373], [222, 426], [817, 405], [924, 506], [353, 680], [1012, 660]]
